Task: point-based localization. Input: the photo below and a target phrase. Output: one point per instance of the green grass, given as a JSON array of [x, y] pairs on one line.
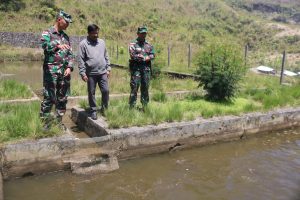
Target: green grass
[[258, 93], [268, 91], [11, 89], [172, 110], [175, 23], [21, 121]]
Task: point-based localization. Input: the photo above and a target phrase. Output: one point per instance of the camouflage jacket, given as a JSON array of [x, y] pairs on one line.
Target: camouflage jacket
[[56, 60], [139, 51]]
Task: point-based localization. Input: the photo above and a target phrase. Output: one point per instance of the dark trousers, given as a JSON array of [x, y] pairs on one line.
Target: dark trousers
[[139, 77], [102, 82], [56, 91]]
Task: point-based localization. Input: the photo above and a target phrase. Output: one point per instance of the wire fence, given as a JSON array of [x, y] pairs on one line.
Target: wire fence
[[173, 56]]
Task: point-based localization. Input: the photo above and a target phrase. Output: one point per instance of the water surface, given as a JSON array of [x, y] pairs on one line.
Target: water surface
[[261, 167]]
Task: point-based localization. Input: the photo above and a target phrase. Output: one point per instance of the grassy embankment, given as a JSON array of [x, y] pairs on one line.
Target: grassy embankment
[[22, 121], [11, 89], [175, 23], [258, 93]]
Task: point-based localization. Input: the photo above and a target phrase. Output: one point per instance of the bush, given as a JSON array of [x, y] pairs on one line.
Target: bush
[[220, 68], [11, 5]]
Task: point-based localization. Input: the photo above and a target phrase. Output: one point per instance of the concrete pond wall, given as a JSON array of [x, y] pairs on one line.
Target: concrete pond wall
[[101, 152]]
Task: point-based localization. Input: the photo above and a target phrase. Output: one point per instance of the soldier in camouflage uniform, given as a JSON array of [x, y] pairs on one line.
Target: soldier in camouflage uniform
[[57, 67], [141, 55]]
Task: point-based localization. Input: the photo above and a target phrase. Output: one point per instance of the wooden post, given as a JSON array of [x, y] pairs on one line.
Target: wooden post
[[246, 53], [189, 56], [113, 50], [282, 67], [169, 52], [117, 52], [109, 51]]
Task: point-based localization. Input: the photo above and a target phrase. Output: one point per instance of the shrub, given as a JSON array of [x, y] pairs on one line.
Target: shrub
[[11, 5], [220, 68]]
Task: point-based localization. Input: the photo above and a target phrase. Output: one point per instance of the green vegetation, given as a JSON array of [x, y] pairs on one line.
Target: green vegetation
[[175, 23], [11, 89], [171, 110], [267, 91], [20, 121], [258, 93], [265, 26], [221, 67]]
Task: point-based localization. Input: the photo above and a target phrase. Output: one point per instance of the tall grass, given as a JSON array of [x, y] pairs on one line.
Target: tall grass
[[268, 91], [11, 89], [172, 110], [19, 121]]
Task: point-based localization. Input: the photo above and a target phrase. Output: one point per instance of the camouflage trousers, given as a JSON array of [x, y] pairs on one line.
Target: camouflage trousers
[[56, 90], [139, 77]]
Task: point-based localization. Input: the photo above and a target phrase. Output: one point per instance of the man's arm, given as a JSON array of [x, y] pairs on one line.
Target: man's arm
[[106, 57], [151, 55], [134, 55], [48, 45], [81, 62]]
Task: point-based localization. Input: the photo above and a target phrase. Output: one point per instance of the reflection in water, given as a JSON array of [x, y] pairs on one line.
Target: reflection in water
[[261, 167], [30, 73]]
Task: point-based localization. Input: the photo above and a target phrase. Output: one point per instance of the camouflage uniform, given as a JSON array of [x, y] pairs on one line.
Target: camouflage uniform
[[56, 61], [140, 69]]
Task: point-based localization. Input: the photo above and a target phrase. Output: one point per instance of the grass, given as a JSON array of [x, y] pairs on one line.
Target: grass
[[268, 91], [19, 121], [258, 93], [175, 23], [11, 89], [172, 110]]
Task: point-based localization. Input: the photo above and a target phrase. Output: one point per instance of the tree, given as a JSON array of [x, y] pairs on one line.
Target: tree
[[220, 68]]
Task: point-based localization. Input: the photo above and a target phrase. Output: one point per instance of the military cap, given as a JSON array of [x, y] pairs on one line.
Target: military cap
[[64, 15], [142, 29]]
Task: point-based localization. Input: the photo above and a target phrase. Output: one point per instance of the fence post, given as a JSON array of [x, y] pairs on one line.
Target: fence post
[[189, 56], [282, 67], [169, 52], [117, 52], [246, 53], [110, 51]]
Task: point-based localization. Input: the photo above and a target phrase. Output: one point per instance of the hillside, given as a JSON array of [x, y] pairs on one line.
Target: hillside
[[257, 23]]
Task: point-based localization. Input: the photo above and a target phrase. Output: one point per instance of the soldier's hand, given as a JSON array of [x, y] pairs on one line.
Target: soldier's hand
[[63, 46], [85, 78], [108, 74], [147, 58], [67, 72], [141, 56]]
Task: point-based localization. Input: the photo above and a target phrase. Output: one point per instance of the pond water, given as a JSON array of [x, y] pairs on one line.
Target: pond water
[[31, 74], [265, 166]]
